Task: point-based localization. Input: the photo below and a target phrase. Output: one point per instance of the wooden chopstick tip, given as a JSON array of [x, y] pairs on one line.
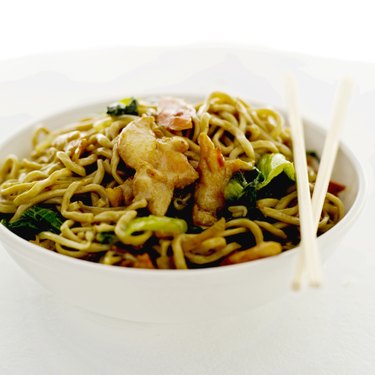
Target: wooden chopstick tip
[[296, 284]]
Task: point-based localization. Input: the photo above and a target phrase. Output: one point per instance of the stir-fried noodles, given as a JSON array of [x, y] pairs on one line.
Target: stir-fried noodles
[[163, 184]]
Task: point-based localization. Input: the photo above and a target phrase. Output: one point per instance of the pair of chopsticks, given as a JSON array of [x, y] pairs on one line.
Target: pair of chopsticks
[[310, 208]]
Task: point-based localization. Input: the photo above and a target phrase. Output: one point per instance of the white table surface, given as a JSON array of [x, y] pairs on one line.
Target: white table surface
[[326, 331]]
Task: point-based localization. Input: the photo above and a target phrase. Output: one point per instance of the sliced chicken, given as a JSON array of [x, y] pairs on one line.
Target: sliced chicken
[[214, 174], [175, 114], [160, 164]]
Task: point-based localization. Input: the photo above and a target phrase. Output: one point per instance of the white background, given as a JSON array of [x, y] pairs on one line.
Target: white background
[[340, 29], [330, 331]]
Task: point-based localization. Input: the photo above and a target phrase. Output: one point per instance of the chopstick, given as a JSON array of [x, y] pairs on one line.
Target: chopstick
[[331, 144], [325, 170], [307, 226]]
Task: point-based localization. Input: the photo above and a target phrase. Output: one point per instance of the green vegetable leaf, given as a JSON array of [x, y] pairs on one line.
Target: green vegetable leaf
[[107, 237], [35, 220], [129, 234], [250, 194], [272, 165], [127, 106], [241, 189], [158, 224], [234, 190]]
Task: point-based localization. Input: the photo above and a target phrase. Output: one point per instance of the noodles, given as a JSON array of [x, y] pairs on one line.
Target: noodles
[[169, 186]]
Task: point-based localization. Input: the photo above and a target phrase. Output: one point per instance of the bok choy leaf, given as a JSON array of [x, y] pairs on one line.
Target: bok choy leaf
[[272, 165], [35, 220], [127, 106]]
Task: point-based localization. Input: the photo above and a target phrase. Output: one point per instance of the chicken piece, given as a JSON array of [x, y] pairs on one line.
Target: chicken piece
[[127, 190], [160, 164], [175, 114], [214, 174]]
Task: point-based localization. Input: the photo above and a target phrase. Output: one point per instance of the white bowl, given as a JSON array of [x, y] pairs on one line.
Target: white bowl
[[173, 295]]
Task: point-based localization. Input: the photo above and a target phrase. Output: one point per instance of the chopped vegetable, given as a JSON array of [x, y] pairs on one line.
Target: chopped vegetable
[[107, 237], [157, 224], [167, 225], [127, 106], [271, 165], [335, 188], [235, 187], [243, 189], [35, 220], [239, 189]]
